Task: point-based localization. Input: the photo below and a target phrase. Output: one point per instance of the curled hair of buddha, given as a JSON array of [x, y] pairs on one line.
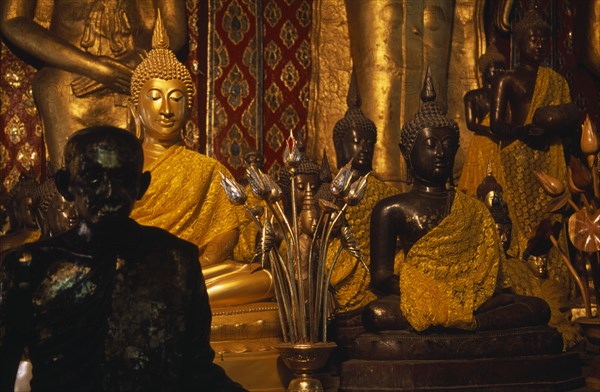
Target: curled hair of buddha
[[354, 117], [161, 63], [86, 141], [491, 56], [429, 115], [531, 20]]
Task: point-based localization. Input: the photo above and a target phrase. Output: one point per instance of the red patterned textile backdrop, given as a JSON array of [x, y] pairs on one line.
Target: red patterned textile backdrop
[[246, 111], [21, 140]]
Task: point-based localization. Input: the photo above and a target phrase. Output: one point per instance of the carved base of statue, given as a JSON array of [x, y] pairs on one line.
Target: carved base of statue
[[527, 359]]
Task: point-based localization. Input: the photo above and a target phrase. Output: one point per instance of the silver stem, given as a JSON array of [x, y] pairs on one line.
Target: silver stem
[[299, 279], [335, 259]]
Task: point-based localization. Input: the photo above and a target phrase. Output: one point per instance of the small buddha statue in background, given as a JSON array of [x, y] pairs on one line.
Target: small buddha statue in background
[[531, 106], [483, 150], [449, 247], [89, 49], [185, 196], [516, 275]]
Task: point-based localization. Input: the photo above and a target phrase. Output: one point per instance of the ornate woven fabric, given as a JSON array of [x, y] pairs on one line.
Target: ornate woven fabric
[[185, 197], [525, 197], [453, 269]]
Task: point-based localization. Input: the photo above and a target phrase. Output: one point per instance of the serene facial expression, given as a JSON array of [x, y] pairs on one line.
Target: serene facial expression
[[162, 108], [358, 144], [533, 45], [432, 155], [491, 71], [303, 181], [104, 184]]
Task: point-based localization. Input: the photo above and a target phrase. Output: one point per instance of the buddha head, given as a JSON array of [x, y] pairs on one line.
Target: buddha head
[[103, 173], [162, 91], [354, 136], [531, 36], [308, 176], [429, 141], [489, 64]]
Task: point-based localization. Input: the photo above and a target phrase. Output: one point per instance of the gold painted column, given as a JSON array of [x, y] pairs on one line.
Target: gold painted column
[[391, 43], [330, 77]]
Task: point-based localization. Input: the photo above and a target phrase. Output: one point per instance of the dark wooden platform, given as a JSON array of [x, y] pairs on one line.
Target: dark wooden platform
[[558, 372]]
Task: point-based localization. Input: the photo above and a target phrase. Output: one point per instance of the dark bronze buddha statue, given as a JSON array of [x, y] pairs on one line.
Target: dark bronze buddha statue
[[449, 246], [109, 304], [354, 138], [530, 111]]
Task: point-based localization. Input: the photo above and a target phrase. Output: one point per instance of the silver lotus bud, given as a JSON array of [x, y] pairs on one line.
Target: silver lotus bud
[[357, 190], [258, 182], [235, 193], [292, 156], [276, 193], [341, 182]]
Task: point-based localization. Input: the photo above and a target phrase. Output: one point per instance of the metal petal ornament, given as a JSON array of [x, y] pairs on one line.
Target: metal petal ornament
[[341, 182], [256, 180], [584, 230], [357, 190], [350, 244], [266, 242], [275, 193], [235, 193], [552, 186], [327, 206], [589, 139], [292, 156]]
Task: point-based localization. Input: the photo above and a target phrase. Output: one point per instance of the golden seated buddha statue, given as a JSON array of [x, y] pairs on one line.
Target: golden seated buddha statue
[[185, 196]]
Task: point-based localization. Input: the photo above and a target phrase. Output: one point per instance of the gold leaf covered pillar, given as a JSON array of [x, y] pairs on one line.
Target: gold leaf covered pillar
[[391, 43]]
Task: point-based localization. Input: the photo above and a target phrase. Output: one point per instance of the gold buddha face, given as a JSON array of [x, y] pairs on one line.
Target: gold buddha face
[[162, 109]]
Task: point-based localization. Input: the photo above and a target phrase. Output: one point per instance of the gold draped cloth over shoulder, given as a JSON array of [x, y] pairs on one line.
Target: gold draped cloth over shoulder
[[453, 269], [526, 200], [349, 279], [185, 197], [482, 151]]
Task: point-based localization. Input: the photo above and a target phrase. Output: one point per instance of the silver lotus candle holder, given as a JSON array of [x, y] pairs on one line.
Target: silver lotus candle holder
[[302, 300]]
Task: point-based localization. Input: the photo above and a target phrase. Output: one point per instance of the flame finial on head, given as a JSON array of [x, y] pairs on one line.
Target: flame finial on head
[[353, 99], [160, 37], [428, 90]]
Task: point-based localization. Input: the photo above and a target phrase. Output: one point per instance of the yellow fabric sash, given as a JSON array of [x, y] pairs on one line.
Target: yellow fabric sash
[[185, 197], [453, 269], [526, 199]]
